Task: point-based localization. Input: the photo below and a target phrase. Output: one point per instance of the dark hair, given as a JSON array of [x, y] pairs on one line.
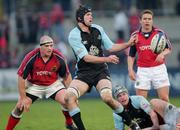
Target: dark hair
[[81, 11], [147, 11]]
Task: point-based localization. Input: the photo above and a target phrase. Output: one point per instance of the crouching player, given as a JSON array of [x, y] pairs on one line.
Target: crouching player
[[161, 116], [39, 76]]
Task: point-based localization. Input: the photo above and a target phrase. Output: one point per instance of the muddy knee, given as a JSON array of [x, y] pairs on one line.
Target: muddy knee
[[106, 95], [16, 112]]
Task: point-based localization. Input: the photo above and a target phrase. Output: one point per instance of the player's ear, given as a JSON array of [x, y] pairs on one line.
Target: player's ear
[[140, 21]]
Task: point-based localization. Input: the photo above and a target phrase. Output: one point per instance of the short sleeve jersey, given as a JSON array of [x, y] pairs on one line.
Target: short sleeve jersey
[[138, 109], [36, 71], [84, 43], [146, 58]]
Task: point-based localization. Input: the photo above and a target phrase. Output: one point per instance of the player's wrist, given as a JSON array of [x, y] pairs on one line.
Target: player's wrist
[[163, 54], [130, 69], [129, 43], [22, 96], [107, 59]]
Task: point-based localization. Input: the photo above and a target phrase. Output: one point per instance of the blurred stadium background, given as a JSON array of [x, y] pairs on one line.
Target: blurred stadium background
[[22, 22]]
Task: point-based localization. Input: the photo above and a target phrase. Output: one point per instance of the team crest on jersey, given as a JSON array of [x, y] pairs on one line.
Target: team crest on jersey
[[54, 68], [137, 120], [94, 50]]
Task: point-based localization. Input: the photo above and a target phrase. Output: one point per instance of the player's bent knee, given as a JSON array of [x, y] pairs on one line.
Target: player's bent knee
[[16, 112], [72, 94], [63, 103], [106, 94], [166, 98], [154, 101]]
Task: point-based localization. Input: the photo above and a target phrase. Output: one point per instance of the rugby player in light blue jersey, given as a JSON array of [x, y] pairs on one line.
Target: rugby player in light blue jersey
[[154, 115], [87, 41]]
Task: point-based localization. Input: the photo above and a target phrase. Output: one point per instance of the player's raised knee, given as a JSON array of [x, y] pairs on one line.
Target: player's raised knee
[[71, 95], [154, 101], [106, 94]]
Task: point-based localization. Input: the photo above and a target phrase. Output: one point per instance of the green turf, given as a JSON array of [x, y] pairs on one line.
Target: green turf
[[46, 115]]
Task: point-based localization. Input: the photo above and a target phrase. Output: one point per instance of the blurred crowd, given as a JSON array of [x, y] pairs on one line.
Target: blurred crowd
[[44, 18], [29, 27]]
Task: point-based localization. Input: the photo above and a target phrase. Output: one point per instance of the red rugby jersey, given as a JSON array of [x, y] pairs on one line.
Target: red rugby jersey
[[36, 71], [146, 58]]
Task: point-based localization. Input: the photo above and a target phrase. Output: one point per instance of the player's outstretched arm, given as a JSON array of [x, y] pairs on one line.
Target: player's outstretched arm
[[119, 47], [95, 59]]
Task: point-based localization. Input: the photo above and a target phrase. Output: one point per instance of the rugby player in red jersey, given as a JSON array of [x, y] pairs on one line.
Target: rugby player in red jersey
[[43, 73], [151, 67]]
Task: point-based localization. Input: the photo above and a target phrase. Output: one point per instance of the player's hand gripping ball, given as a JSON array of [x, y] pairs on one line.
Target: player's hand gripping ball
[[158, 43]]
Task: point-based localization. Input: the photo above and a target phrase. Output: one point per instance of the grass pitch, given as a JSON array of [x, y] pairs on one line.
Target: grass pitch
[[47, 115]]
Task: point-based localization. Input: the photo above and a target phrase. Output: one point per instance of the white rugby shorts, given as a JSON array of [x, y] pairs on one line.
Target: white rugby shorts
[[44, 91], [156, 77]]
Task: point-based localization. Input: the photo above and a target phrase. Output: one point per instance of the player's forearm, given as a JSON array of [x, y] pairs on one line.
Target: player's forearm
[[119, 47], [95, 59], [166, 51], [130, 62], [21, 87]]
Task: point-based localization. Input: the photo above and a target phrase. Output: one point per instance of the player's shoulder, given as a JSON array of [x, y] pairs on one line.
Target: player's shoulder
[[58, 53], [75, 30], [31, 55], [116, 116], [74, 34], [135, 32], [137, 98], [97, 27], [157, 29], [33, 52]]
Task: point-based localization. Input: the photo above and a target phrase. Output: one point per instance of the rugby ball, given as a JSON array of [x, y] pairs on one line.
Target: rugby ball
[[158, 43]]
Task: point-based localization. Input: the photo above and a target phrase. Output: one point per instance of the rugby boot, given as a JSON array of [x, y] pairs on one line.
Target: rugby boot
[[71, 127]]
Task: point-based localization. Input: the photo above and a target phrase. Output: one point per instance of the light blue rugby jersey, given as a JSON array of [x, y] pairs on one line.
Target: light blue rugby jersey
[[76, 44], [137, 102]]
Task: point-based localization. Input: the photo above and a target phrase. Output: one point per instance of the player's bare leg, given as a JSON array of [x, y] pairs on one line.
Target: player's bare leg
[[159, 106], [75, 90], [142, 92], [60, 98], [163, 93], [169, 112], [15, 116]]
